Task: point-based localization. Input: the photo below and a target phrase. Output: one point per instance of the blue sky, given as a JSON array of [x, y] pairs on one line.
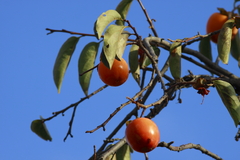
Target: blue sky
[[28, 91]]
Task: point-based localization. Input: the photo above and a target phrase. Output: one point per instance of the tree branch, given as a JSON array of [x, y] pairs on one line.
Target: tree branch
[[189, 146], [75, 105], [123, 105]]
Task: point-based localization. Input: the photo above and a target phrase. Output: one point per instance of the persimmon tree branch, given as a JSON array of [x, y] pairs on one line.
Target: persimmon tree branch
[[75, 105], [69, 32], [134, 111], [122, 105], [69, 133], [166, 45], [189, 146], [153, 57], [76, 33], [148, 19]]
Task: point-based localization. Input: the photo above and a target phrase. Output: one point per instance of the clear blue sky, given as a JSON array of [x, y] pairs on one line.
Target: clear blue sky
[[27, 88]]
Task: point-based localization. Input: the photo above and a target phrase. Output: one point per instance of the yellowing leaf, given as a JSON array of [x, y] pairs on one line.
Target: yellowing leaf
[[38, 127], [229, 98], [122, 9], [175, 60], [133, 63], [112, 37], [85, 62], [62, 60], [224, 41], [104, 20]]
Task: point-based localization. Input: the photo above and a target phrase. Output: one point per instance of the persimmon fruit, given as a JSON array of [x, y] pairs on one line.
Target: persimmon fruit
[[115, 76], [142, 135], [215, 22]]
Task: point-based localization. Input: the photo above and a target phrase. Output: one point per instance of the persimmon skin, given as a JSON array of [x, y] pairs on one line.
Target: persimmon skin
[[142, 135], [215, 22], [115, 76]]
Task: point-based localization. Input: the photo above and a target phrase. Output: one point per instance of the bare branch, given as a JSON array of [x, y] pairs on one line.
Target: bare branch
[[148, 19], [112, 150], [189, 146], [119, 108], [69, 133], [75, 105], [94, 153]]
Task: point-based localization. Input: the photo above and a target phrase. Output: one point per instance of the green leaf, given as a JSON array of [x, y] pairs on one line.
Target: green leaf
[[229, 98], [63, 59], [104, 20], [122, 44], [224, 41], [122, 9], [86, 61], [124, 153], [112, 37], [146, 60], [134, 64], [175, 60], [38, 127], [205, 48], [235, 48]]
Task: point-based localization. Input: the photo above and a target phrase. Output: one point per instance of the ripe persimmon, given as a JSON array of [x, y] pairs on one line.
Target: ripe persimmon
[[115, 76], [142, 135], [215, 22]]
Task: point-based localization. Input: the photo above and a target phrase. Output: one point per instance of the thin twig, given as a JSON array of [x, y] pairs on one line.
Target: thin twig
[[74, 104], [119, 108], [189, 146], [148, 19], [146, 156], [201, 65], [134, 112], [69, 133], [76, 33], [94, 153], [152, 56], [109, 118]]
